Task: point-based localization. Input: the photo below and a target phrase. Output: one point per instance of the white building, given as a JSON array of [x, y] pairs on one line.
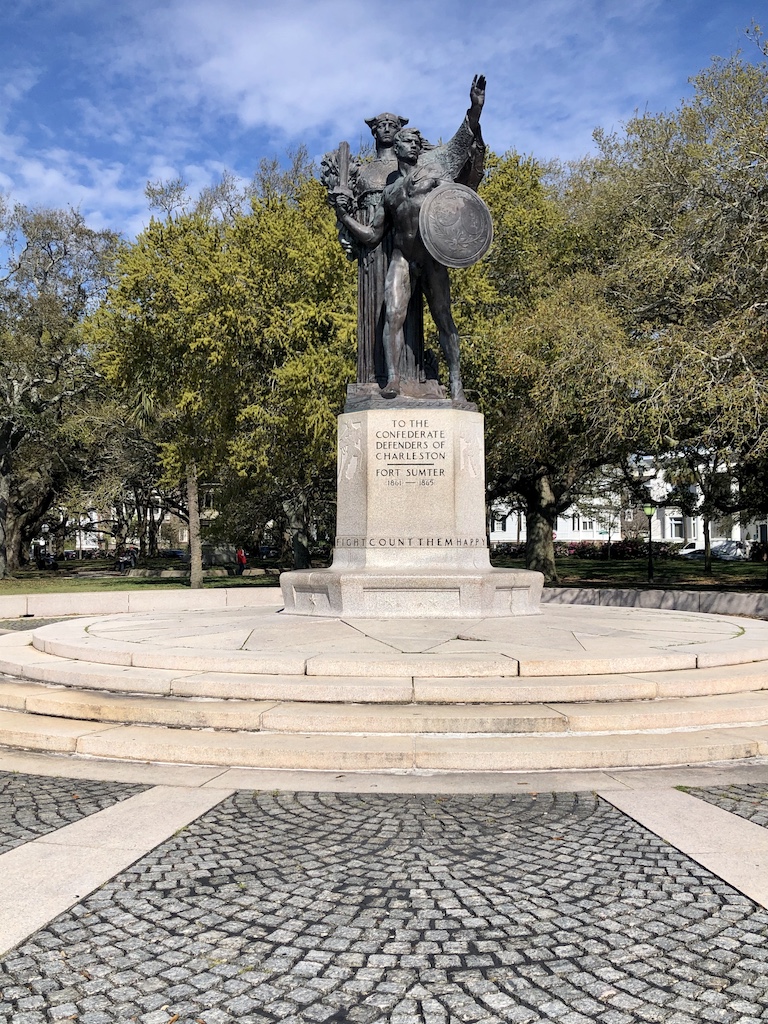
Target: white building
[[608, 522], [507, 525]]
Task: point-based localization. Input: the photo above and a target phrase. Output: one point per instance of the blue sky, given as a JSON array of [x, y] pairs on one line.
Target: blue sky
[[99, 96]]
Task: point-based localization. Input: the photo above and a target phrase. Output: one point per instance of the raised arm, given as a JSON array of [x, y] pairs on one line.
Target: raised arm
[[369, 235], [476, 101]]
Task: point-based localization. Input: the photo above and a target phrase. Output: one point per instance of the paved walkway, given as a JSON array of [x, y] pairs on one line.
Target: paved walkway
[[200, 896]]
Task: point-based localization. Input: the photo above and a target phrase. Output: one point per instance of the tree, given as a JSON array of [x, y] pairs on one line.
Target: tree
[[298, 299], [55, 269], [164, 340], [677, 208], [543, 352], [233, 335], [569, 369]]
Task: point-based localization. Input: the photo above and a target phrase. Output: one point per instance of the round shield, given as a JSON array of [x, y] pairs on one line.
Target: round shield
[[456, 225]]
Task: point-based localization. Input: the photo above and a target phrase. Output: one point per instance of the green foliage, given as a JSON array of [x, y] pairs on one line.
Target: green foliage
[[300, 299], [163, 339], [678, 205], [234, 337], [548, 360], [54, 269], [570, 373]]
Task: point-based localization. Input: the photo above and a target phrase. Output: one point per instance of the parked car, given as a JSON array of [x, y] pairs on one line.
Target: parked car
[[183, 556], [726, 550]]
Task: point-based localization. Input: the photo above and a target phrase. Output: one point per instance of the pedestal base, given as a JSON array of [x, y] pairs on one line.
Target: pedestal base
[[411, 538], [371, 593]]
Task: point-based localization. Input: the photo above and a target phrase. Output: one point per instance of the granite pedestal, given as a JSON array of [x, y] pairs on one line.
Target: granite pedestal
[[410, 531]]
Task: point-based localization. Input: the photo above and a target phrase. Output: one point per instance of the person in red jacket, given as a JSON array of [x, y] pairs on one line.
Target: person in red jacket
[[241, 561]]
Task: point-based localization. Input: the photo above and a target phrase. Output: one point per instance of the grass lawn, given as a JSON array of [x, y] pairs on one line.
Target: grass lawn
[[89, 576], [669, 573]]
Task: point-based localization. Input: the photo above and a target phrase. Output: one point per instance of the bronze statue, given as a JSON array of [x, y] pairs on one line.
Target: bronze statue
[[366, 180], [386, 196]]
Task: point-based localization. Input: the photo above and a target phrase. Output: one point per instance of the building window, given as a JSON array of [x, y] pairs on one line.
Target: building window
[[676, 527], [501, 524], [575, 523]]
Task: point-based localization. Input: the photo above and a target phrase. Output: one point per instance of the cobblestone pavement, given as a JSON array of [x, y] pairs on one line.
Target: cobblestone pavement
[[28, 622], [410, 909], [749, 801], [34, 805]]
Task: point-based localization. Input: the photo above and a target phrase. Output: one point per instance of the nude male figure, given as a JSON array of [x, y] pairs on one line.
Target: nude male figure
[[420, 171]]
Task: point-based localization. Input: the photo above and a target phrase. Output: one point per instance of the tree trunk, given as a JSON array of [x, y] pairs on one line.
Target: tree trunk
[[152, 532], [142, 511], [120, 531], [24, 512], [5, 488], [296, 512], [541, 519], [195, 542], [707, 548], [14, 542]]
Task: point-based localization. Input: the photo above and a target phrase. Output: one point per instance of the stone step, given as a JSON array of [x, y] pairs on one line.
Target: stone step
[[345, 752], [26, 662], [40, 732], [684, 714], [520, 719], [612, 687]]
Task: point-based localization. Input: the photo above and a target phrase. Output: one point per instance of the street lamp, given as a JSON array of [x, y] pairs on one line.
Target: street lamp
[[649, 509]]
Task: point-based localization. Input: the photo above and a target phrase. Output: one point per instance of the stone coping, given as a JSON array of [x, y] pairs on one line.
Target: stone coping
[[109, 602], [711, 602]]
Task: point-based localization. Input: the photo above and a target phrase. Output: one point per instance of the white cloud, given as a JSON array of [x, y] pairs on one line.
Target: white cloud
[[111, 95], [321, 67]]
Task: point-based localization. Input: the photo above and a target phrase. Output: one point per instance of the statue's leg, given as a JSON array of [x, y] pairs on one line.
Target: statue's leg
[[397, 292], [437, 288]]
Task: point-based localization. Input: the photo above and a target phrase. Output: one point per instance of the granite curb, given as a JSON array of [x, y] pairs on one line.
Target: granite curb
[[711, 602], [98, 602]]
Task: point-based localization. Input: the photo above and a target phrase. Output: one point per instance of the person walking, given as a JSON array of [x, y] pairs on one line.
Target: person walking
[[241, 561]]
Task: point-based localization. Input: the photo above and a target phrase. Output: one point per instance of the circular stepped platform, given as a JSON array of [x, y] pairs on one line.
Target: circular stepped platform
[[576, 687]]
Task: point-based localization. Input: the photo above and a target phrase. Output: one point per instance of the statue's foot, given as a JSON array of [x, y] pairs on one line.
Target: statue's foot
[[392, 388], [457, 391]]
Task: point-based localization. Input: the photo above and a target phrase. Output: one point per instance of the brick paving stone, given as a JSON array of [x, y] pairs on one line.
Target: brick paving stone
[[749, 800], [35, 805], [359, 909]]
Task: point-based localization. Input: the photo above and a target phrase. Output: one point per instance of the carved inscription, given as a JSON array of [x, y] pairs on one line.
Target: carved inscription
[[411, 542], [410, 451]]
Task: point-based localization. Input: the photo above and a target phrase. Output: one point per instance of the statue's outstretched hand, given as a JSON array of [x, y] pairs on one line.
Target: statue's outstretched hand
[[477, 92]]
